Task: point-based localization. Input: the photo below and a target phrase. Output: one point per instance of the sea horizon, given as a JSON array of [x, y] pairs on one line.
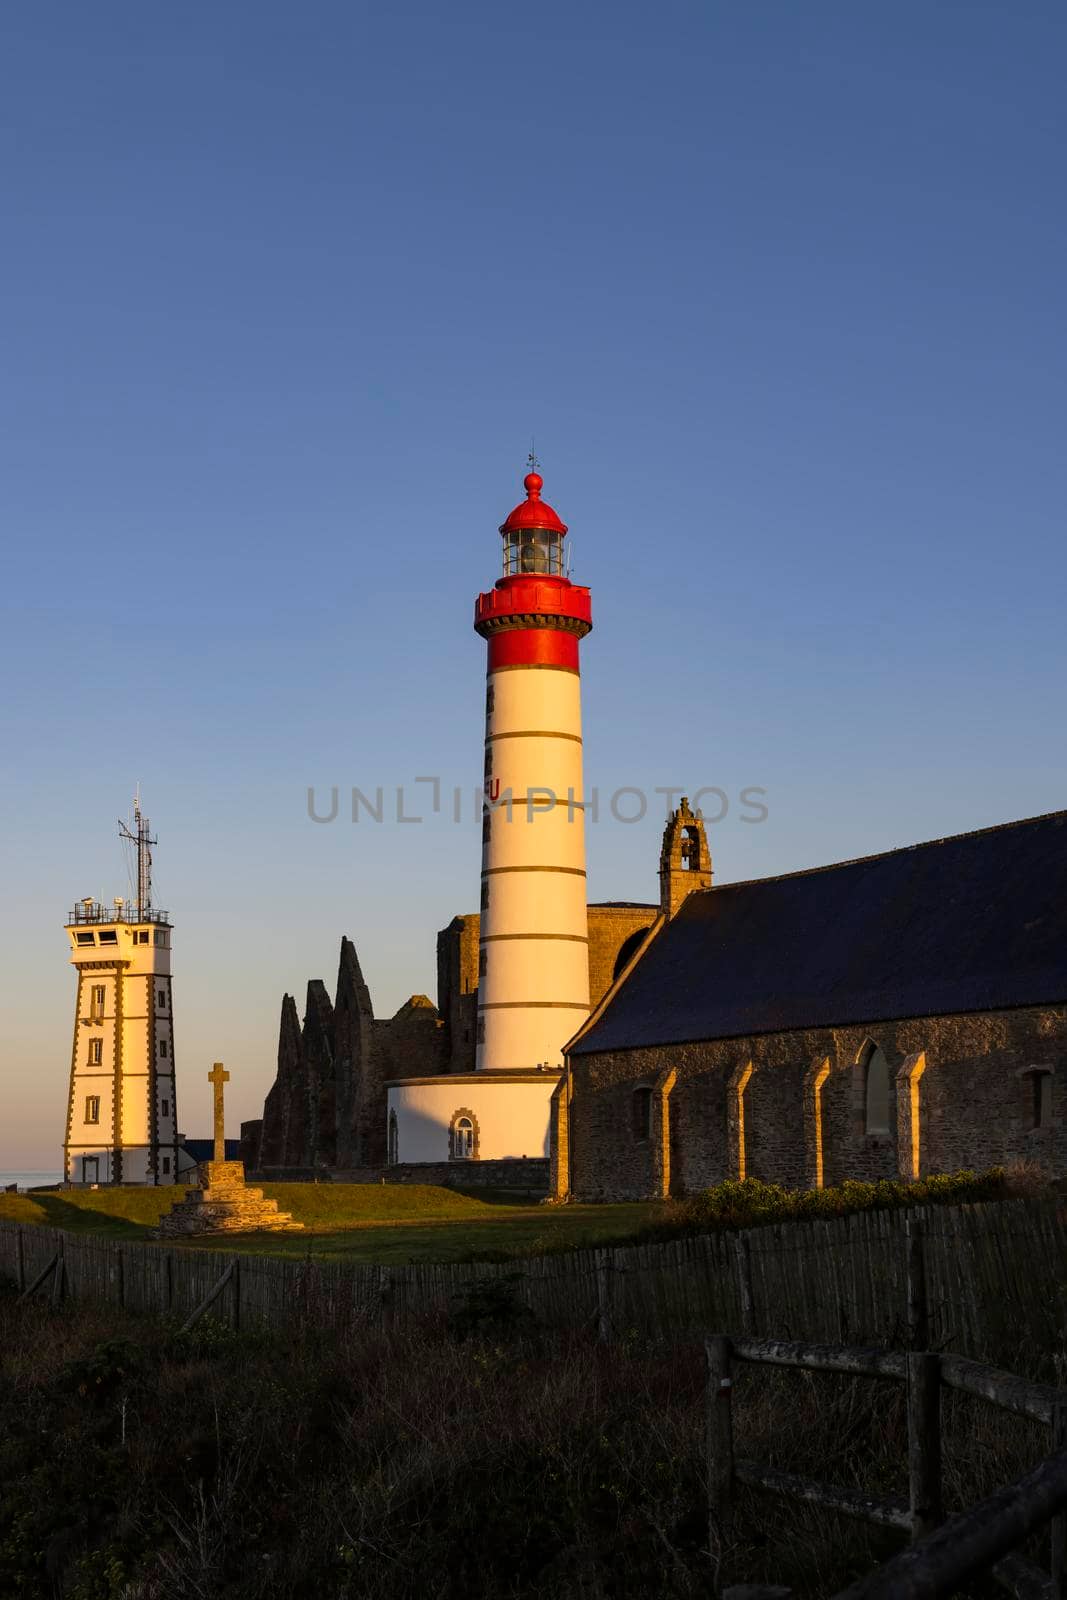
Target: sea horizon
[[31, 1179]]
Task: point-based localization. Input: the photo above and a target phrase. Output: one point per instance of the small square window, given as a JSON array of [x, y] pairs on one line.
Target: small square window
[[166, 1166], [85, 938], [92, 1108], [142, 937], [162, 1049], [164, 1108], [96, 1010], [481, 1030], [161, 937], [483, 961], [108, 936], [96, 1052], [485, 894], [161, 998]]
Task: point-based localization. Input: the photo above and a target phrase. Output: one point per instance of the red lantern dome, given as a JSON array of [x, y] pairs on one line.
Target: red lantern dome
[[533, 512]]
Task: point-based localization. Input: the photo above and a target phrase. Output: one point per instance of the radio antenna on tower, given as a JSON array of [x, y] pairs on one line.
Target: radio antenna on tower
[[140, 836]]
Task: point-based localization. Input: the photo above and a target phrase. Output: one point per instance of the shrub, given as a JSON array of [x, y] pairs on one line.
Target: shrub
[[749, 1202]]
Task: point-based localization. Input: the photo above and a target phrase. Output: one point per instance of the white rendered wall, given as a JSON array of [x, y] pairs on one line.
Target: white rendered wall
[[512, 1117], [533, 989]]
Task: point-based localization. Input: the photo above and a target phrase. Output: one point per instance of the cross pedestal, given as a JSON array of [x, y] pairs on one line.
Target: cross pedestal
[[221, 1201]]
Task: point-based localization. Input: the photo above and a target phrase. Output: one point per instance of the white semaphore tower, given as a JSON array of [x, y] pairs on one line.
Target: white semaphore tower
[[121, 1114], [533, 988]]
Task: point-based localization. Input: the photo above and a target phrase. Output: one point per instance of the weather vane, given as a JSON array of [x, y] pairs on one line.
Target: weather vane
[[531, 460]]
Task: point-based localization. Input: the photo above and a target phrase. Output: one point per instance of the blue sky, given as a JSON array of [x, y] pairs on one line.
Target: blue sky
[[286, 291]]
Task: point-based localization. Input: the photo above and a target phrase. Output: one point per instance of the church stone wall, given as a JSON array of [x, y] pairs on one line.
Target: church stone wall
[[974, 1091]]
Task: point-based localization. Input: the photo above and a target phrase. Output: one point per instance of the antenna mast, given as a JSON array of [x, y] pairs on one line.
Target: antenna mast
[[140, 835]]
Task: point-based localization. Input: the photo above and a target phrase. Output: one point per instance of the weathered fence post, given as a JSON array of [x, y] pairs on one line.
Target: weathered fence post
[[209, 1299], [744, 1283], [41, 1276], [385, 1295], [719, 1437], [118, 1277], [236, 1282], [1058, 1526], [20, 1262], [603, 1296], [918, 1311], [57, 1281], [166, 1281], [924, 1442]]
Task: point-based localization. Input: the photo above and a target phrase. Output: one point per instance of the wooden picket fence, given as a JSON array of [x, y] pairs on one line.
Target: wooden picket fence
[[984, 1540], [995, 1277]]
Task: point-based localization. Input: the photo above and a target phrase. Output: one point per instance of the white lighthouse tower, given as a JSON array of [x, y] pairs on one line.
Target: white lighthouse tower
[[121, 1113], [533, 984], [533, 988]]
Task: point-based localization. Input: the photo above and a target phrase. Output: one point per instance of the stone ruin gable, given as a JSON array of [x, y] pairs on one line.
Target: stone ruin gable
[[457, 990], [298, 1117], [970, 1077], [318, 1043], [277, 1108], [327, 1106], [354, 1056]]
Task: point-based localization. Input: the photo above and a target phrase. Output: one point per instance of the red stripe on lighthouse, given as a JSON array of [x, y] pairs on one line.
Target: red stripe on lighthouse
[[533, 647]]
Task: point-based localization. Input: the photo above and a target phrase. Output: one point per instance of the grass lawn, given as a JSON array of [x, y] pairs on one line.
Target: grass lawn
[[365, 1223]]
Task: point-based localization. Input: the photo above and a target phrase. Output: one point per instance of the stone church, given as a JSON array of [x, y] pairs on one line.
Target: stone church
[[889, 1017]]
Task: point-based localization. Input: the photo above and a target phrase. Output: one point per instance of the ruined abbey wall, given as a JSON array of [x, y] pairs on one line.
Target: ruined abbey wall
[[327, 1106]]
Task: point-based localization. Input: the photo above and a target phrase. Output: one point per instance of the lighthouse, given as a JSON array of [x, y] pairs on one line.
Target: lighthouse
[[533, 983], [533, 951]]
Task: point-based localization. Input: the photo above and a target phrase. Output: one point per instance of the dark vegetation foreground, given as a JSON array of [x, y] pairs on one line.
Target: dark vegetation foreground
[[479, 1456]]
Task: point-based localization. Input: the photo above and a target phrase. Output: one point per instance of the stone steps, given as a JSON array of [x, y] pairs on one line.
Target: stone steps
[[223, 1203]]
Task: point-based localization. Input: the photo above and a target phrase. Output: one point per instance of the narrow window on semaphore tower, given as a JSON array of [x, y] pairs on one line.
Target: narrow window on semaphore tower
[[533, 535]]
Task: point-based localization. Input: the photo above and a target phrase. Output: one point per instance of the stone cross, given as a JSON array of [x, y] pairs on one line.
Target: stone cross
[[217, 1077]]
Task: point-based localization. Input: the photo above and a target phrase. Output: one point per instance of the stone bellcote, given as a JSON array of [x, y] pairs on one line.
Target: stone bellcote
[[685, 860]]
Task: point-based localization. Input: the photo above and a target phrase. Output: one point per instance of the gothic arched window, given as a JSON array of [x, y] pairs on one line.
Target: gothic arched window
[[1040, 1097], [876, 1092], [642, 1111]]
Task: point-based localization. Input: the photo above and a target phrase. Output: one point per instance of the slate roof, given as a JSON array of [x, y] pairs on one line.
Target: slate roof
[[973, 923]]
